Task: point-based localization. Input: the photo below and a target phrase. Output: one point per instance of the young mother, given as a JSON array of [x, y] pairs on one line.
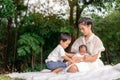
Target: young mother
[[94, 47]]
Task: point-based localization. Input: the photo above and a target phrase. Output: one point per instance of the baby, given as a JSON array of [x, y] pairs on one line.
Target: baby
[[81, 54]]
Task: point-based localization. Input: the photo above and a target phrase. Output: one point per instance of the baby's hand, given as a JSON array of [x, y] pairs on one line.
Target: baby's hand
[[85, 56]]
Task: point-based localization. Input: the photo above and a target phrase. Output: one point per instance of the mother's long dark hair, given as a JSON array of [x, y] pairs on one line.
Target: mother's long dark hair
[[86, 21]]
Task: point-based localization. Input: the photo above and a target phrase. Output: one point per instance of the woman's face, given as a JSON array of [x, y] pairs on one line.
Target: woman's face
[[85, 29]]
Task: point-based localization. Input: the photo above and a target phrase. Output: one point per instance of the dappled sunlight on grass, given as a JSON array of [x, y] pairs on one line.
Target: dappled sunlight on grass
[[4, 77]]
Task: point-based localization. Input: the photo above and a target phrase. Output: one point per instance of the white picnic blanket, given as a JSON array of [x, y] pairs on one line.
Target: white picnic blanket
[[108, 72]]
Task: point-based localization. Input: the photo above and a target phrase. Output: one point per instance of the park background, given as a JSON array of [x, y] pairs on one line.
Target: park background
[[29, 30]]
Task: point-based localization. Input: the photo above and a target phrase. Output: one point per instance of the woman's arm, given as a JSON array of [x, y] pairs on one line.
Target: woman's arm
[[96, 49], [91, 58]]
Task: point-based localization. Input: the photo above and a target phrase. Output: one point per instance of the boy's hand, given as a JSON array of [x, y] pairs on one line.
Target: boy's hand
[[78, 59], [75, 58]]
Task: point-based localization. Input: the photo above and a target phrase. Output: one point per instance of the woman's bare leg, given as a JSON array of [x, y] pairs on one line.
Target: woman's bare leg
[[57, 70], [73, 69]]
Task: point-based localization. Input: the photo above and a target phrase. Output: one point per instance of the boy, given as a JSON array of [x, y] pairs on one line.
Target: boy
[[55, 59]]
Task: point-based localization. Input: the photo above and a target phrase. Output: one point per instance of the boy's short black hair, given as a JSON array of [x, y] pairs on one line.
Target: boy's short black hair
[[81, 46], [64, 36]]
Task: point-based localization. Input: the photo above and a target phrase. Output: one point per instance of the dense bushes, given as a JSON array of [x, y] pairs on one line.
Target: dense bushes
[[108, 29]]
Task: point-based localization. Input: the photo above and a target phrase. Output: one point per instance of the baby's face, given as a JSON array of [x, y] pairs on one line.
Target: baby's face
[[83, 50]]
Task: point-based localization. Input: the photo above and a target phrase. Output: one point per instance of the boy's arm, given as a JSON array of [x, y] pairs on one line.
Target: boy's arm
[[77, 59], [67, 58], [69, 54]]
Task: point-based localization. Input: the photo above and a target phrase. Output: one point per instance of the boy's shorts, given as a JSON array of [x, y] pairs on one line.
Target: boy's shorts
[[53, 65]]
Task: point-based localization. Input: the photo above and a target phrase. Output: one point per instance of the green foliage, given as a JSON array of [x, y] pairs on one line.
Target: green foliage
[[29, 42], [117, 5], [38, 33], [43, 25], [2, 33], [36, 68], [108, 30], [68, 28], [49, 27], [118, 79], [7, 8]]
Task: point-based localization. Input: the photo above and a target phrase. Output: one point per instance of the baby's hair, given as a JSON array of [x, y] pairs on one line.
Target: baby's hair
[[81, 46], [64, 36]]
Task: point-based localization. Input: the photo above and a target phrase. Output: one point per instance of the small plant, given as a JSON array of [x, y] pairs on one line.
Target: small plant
[[30, 47]]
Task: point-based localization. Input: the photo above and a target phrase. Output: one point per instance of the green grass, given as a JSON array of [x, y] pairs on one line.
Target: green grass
[[4, 77]]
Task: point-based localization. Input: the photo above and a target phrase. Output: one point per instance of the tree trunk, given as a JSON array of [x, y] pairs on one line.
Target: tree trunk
[[71, 15], [33, 61], [15, 44], [41, 58], [71, 5], [16, 34], [6, 55], [71, 21], [78, 15]]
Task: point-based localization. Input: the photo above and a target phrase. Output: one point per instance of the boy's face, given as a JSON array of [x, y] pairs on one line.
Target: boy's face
[[65, 44]]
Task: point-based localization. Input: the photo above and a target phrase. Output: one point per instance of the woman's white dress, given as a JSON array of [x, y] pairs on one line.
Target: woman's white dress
[[94, 46]]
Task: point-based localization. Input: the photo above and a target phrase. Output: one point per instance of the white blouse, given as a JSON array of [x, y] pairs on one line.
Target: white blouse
[[94, 45]]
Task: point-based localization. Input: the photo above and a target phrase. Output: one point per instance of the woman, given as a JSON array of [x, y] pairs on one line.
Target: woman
[[94, 46]]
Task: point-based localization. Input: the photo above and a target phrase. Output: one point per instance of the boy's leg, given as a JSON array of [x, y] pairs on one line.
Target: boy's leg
[[56, 66], [57, 70]]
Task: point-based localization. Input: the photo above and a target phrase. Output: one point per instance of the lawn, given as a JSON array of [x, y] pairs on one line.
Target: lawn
[[3, 77]]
